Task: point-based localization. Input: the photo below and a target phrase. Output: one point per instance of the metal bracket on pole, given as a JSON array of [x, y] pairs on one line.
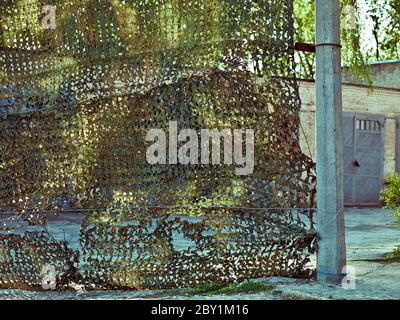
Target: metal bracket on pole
[[304, 47]]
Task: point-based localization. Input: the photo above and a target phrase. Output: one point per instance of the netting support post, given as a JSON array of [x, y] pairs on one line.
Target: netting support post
[[330, 217]]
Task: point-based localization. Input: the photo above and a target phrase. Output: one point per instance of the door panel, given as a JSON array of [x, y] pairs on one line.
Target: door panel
[[348, 150], [363, 159], [367, 191], [368, 139], [348, 190], [370, 162]]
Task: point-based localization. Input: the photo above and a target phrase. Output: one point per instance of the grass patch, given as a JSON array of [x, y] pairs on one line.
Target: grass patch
[[277, 292], [393, 256], [245, 287], [208, 287]]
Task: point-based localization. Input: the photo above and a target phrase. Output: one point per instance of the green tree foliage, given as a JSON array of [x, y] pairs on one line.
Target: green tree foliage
[[391, 43], [383, 15], [304, 31], [390, 194], [352, 53]]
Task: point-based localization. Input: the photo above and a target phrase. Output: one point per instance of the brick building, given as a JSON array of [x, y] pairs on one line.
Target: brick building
[[371, 130]]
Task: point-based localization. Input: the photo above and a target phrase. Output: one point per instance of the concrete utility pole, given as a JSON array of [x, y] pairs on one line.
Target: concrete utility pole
[[330, 217]]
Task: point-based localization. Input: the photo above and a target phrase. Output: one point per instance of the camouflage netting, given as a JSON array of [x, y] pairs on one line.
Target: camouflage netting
[[76, 103]]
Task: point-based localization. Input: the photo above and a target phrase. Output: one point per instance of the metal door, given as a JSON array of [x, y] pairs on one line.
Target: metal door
[[348, 155], [363, 159]]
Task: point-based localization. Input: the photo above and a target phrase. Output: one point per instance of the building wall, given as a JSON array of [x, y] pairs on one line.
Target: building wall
[[356, 99], [383, 74]]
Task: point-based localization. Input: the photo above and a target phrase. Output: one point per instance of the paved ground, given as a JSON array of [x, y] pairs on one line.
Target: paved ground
[[370, 233]]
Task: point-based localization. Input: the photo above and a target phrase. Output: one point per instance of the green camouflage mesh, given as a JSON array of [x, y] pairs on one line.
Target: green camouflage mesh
[[79, 91]]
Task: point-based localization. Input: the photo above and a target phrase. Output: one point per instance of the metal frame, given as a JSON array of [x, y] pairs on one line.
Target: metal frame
[[352, 116]]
